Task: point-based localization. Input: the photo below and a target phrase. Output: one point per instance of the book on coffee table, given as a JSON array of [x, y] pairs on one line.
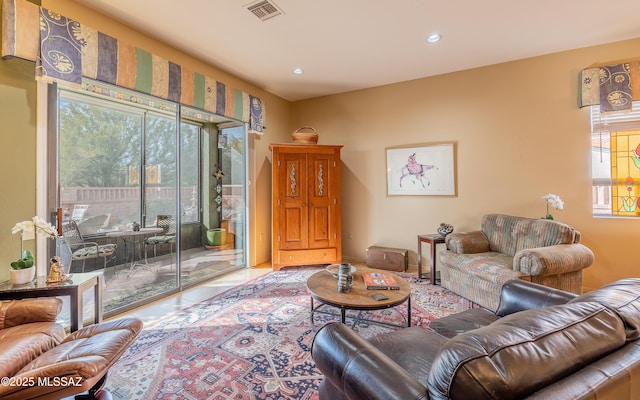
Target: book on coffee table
[[379, 281]]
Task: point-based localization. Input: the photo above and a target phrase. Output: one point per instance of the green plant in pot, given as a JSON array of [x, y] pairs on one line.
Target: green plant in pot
[[25, 262], [23, 269]]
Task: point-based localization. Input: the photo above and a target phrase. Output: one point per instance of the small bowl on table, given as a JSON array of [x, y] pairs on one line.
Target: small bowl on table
[[334, 268]]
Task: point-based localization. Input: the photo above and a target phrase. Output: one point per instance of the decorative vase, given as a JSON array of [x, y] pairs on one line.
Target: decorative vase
[[445, 229], [345, 278], [22, 276]]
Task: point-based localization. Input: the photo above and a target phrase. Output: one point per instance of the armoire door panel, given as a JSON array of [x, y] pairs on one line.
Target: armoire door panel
[[294, 176], [293, 233], [320, 183], [319, 228]]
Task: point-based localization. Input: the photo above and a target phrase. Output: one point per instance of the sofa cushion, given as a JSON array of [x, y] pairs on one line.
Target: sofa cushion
[[509, 234], [623, 297], [493, 267], [523, 352]]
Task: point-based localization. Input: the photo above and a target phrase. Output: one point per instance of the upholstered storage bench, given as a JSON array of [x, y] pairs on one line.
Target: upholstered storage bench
[[387, 258]]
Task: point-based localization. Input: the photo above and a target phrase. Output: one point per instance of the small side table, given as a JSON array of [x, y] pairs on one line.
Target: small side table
[[433, 240], [73, 288]]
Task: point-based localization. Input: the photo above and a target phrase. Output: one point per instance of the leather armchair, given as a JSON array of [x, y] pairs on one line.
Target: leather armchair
[[41, 362]]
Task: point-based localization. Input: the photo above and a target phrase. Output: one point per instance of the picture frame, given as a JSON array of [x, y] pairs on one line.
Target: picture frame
[[423, 170]]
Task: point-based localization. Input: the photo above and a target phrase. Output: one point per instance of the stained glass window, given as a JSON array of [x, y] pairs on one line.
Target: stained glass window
[[615, 140]]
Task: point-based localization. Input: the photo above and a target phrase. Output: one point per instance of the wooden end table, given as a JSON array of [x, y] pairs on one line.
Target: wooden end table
[[433, 239], [73, 288], [323, 287]]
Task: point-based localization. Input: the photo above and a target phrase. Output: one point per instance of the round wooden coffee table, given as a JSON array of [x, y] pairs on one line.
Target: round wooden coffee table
[[323, 287]]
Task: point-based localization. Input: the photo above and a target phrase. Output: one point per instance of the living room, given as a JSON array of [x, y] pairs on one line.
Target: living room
[[517, 128], [518, 131]]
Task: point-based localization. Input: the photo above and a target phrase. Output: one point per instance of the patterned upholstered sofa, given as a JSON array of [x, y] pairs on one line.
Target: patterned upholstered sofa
[[476, 264]]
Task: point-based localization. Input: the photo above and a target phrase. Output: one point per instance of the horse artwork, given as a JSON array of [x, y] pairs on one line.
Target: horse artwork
[[429, 170], [416, 170]]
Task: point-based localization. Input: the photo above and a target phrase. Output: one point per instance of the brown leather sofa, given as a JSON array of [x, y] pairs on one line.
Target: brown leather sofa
[[39, 361], [541, 343]]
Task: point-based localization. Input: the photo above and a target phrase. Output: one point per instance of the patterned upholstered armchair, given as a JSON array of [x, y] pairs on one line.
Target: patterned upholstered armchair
[[476, 264]]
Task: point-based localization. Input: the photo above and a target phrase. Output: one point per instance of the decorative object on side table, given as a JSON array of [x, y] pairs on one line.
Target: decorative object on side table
[[555, 201], [445, 229], [56, 272], [23, 270]]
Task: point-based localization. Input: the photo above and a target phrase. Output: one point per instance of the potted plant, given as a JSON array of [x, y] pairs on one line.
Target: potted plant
[[554, 201], [23, 270]]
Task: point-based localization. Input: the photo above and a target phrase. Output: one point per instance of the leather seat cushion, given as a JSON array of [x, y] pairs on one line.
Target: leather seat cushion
[[22, 343], [89, 352], [465, 321], [623, 298], [414, 349], [556, 341]]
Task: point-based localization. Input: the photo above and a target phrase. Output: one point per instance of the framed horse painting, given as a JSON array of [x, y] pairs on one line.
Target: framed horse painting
[[427, 170]]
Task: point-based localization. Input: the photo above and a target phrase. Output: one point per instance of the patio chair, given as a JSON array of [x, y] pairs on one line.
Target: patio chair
[[81, 250], [167, 236]]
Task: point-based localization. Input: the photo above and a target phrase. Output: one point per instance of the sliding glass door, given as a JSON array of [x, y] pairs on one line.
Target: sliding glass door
[[163, 184]]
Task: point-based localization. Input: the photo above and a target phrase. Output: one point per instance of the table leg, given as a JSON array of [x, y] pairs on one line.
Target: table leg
[[343, 315], [409, 311], [142, 256], [76, 310], [419, 259], [97, 298], [433, 263]]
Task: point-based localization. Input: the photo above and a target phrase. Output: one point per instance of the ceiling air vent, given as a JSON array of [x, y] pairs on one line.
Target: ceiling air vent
[[264, 10]]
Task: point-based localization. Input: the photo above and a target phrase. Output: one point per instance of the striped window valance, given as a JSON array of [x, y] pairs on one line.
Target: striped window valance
[[66, 51], [613, 86]]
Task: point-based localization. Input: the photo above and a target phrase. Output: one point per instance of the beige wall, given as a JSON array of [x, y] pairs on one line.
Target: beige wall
[[17, 154], [519, 135]]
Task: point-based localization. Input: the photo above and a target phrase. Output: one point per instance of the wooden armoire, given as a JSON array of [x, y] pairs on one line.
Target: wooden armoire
[[305, 218]]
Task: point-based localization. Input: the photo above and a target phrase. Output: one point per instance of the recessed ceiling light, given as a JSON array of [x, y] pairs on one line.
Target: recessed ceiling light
[[298, 71], [434, 37]]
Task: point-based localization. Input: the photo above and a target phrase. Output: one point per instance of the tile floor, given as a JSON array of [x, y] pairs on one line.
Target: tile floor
[[188, 297]]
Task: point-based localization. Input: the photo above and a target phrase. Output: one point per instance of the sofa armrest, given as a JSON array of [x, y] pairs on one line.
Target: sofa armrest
[[19, 312], [553, 260], [467, 242], [518, 295], [358, 369]]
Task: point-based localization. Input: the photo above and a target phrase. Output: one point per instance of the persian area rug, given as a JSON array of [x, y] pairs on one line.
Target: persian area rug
[[253, 341]]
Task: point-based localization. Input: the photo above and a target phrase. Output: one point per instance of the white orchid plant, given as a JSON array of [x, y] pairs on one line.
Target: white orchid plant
[[554, 201], [28, 229]]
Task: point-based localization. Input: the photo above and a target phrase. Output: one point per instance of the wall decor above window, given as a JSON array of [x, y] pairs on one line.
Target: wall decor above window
[[66, 51], [613, 86]]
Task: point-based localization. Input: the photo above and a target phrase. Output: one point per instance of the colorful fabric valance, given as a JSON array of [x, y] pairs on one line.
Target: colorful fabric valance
[[65, 51], [613, 87]]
